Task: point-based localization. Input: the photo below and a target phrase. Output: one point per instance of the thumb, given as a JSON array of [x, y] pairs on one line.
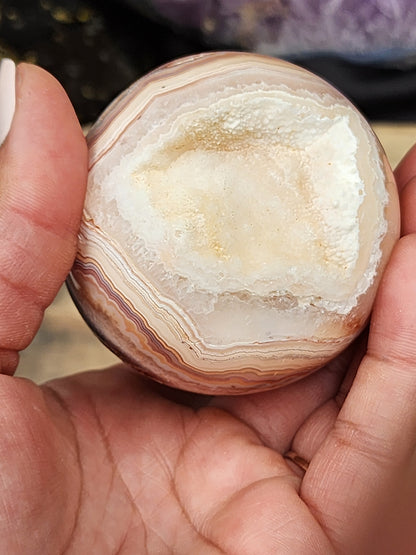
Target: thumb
[[43, 169]]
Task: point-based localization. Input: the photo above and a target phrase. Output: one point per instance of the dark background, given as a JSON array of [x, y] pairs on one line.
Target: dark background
[[97, 48]]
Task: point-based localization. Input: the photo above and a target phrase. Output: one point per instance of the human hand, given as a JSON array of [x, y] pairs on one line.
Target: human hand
[[106, 462]]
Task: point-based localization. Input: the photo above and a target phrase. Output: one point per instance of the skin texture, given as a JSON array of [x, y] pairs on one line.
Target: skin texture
[[105, 462]]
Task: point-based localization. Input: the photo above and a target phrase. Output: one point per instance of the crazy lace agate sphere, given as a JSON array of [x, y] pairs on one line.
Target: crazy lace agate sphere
[[239, 214]]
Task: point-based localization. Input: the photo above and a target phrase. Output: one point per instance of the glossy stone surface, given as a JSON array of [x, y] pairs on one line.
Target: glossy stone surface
[[239, 214]]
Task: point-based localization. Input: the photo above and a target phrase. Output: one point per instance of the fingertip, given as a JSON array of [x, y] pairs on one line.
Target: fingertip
[[408, 207], [8, 361], [43, 161], [406, 169]]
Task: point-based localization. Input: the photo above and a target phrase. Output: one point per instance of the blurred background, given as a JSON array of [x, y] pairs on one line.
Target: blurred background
[[366, 48], [96, 48]]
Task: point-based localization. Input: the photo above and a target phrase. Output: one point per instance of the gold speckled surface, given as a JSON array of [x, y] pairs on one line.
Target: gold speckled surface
[[65, 344]]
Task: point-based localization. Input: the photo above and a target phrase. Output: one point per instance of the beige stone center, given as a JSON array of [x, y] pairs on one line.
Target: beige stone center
[[247, 210]]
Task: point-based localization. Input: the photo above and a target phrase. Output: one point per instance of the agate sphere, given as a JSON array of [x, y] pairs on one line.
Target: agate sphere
[[239, 215]]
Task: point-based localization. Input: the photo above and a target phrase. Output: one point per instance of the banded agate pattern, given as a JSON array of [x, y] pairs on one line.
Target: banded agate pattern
[[239, 214]]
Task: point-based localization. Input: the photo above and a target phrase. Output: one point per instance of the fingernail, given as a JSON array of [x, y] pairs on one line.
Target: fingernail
[[7, 96]]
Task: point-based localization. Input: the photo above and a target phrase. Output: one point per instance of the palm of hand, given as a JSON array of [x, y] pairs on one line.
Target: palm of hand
[[109, 463]]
